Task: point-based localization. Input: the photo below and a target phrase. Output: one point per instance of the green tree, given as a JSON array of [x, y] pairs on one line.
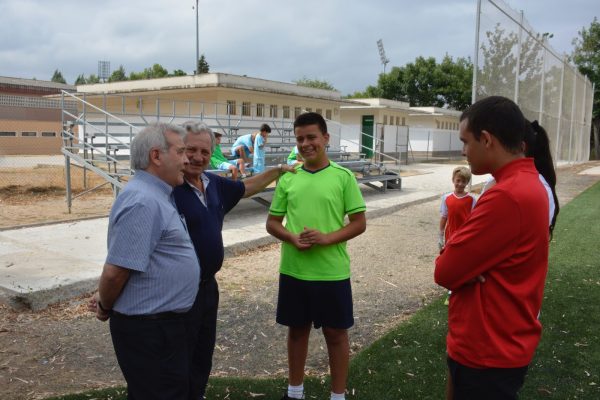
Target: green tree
[[202, 67], [156, 71], [58, 77], [454, 82], [314, 83], [370, 92], [92, 79], [424, 82], [80, 80], [497, 74], [178, 72], [118, 75], [420, 83], [586, 57]]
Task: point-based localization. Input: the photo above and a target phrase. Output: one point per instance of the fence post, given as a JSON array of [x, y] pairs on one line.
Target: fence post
[[427, 151], [476, 54], [541, 113], [572, 114], [67, 158], [518, 69], [560, 107]]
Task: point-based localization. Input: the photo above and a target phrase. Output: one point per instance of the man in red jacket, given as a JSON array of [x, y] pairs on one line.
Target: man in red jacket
[[496, 263]]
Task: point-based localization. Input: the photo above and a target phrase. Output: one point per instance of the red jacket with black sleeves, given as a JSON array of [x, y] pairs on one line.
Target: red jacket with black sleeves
[[495, 324]]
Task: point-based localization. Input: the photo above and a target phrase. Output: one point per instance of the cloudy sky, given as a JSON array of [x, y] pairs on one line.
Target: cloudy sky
[[332, 40]]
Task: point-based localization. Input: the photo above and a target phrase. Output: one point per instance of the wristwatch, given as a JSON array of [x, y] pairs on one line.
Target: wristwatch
[[108, 311]]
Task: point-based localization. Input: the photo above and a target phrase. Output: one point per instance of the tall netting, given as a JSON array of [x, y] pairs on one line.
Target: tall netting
[[514, 61]]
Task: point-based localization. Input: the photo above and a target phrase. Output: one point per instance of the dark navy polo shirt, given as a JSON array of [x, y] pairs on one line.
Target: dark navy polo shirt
[[205, 223]]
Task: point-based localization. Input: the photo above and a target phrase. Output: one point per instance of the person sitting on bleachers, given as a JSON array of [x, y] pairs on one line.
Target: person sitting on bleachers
[[243, 147], [220, 162]]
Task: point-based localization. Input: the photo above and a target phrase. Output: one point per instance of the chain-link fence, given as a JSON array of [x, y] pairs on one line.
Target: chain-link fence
[[31, 141], [514, 61]]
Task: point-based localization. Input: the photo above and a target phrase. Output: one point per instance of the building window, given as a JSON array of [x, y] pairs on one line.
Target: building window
[[273, 111], [308, 109], [319, 111], [437, 124], [8, 133], [403, 121], [328, 114], [30, 134], [260, 110], [286, 111], [385, 119], [297, 111], [246, 108], [231, 107], [49, 134], [397, 120]]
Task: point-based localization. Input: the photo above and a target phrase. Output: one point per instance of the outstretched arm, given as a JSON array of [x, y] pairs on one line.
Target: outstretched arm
[[258, 182]]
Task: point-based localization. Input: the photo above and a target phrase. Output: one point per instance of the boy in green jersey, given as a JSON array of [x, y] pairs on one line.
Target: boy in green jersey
[[314, 283], [294, 158]]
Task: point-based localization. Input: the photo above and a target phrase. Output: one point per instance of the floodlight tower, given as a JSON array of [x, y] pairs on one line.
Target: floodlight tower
[[103, 70], [384, 59]]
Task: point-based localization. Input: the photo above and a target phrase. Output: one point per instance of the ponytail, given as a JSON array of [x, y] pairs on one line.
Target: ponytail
[[537, 145]]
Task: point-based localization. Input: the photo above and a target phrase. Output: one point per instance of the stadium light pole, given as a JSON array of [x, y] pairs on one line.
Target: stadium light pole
[[197, 43]]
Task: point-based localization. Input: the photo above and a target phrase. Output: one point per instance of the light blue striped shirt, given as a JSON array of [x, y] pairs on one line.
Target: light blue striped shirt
[[147, 236]]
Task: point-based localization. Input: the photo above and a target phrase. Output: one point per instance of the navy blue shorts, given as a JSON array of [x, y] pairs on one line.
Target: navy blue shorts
[[487, 383], [322, 303]]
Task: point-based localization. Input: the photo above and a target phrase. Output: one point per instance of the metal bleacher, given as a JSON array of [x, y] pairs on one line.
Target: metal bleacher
[[97, 140]]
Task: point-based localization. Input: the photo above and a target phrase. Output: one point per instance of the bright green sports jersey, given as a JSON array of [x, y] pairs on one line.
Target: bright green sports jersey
[[293, 156], [217, 157], [318, 200]]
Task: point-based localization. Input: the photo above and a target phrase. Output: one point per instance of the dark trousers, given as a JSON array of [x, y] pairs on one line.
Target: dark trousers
[[153, 356], [488, 383], [202, 326]]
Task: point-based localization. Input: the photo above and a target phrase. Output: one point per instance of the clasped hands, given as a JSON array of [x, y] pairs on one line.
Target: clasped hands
[[309, 237]]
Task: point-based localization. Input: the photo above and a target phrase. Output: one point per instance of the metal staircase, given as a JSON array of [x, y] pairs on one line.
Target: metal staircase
[[97, 141]]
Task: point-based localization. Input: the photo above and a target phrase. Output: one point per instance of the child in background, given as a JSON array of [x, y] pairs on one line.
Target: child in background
[[220, 162], [258, 162], [456, 206]]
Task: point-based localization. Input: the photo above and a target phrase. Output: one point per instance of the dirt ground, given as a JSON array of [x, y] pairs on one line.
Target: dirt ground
[[42, 199], [65, 350]]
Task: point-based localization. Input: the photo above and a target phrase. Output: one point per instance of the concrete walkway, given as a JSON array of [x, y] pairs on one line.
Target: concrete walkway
[[46, 264]]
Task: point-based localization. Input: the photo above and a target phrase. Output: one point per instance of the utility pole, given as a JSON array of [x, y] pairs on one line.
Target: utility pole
[[197, 43]]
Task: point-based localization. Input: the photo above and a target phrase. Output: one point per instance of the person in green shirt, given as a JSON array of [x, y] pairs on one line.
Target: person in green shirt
[[294, 158], [220, 162], [314, 281]]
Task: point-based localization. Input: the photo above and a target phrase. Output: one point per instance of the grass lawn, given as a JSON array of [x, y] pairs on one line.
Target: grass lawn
[[409, 362]]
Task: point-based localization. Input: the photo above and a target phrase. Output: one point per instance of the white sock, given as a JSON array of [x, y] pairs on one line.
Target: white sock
[[338, 396], [296, 392]]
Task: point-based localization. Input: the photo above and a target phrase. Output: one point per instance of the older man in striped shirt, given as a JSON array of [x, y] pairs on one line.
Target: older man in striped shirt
[[151, 275]]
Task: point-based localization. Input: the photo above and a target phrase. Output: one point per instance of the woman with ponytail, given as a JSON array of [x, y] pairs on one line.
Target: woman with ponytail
[[537, 146]]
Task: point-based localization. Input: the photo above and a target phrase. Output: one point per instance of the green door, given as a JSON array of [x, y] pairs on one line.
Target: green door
[[367, 135]]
